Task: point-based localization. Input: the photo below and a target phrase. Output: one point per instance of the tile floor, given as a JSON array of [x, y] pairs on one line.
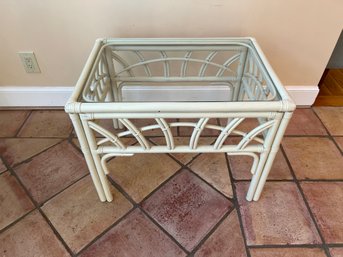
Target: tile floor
[[170, 205]]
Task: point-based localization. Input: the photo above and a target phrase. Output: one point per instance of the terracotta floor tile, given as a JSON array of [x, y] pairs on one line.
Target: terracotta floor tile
[[31, 236], [226, 241], [47, 124], [11, 121], [183, 157], [287, 252], [181, 208], [339, 141], [326, 203], [51, 171], [125, 141], [213, 169], [305, 122], [187, 131], [15, 150], [140, 174], [2, 167], [314, 158], [332, 117], [279, 217], [336, 252], [247, 125], [14, 202], [240, 167], [136, 235], [79, 216]]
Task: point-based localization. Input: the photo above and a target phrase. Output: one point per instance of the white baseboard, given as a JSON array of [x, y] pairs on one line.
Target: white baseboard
[[303, 95], [32, 96]]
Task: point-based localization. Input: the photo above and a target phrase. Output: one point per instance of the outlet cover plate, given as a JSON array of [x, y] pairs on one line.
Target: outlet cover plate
[[29, 61]]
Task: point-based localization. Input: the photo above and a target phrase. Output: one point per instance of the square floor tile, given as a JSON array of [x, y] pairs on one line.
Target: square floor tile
[[47, 124], [31, 236], [326, 203], [11, 121], [332, 117], [51, 171], [79, 216], [305, 122], [182, 207], [213, 169], [227, 240], [314, 158], [2, 167], [136, 235], [336, 252], [184, 158], [339, 141], [241, 165], [187, 131], [280, 217], [16, 150], [287, 252], [14, 202], [140, 174]]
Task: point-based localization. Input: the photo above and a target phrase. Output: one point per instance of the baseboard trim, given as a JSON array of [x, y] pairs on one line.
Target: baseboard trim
[[50, 96], [303, 95]]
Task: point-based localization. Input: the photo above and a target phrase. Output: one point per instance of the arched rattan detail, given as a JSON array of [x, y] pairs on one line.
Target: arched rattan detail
[[185, 64], [222, 67], [166, 63], [108, 135], [193, 142], [146, 66], [99, 83], [227, 64], [167, 133], [208, 59], [136, 133], [253, 133], [124, 64], [226, 132]]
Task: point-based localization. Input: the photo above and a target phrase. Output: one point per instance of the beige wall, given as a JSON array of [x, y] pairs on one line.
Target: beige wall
[[297, 36]]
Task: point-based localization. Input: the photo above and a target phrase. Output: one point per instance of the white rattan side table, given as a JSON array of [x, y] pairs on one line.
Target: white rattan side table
[[238, 64]]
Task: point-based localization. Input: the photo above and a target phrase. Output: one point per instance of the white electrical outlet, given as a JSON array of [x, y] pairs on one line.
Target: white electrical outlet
[[29, 62]]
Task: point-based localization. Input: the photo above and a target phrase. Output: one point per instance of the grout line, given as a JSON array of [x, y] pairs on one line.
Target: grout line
[[335, 245], [59, 237], [17, 220], [182, 168], [211, 186], [45, 137], [162, 229], [305, 135], [138, 205], [186, 167], [74, 182], [105, 231], [22, 125], [236, 204], [287, 246], [332, 137], [211, 232], [177, 172], [326, 249], [36, 154]]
